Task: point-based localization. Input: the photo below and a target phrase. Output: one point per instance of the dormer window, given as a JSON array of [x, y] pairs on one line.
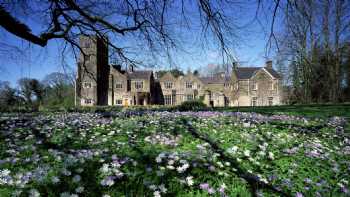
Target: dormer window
[[188, 85], [87, 85], [168, 85]]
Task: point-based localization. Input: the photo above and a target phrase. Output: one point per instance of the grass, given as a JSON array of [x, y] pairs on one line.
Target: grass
[[155, 154], [316, 110]]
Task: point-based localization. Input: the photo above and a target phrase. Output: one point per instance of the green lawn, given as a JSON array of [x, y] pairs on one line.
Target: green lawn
[[206, 153], [326, 110]]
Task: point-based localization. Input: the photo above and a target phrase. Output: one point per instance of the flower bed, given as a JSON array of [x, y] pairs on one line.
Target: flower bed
[[173, 154]]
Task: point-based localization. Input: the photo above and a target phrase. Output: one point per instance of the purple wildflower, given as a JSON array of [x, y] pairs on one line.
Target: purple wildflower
[[211, 190], [204, 186]]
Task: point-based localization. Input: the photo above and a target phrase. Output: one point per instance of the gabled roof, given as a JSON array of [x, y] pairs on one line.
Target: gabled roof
[[140, 74], [273, 72], [117, 68], [167, 76], [248, 72], [245, 72], [214, 80]]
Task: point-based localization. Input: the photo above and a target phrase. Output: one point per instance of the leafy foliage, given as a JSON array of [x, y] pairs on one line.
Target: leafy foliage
[[194, 105], [175, 72], [55, 92]]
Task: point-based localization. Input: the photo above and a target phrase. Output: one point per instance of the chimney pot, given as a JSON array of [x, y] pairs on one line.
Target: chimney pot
[[268, 64]]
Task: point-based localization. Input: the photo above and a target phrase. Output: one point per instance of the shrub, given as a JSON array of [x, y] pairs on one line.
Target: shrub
[[195, 105]]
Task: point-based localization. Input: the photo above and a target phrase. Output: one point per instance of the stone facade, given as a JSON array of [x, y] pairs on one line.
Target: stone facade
[[101, 84], [256, 86], [93, 70]]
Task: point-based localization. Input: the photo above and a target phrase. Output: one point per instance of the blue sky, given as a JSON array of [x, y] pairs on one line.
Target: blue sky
[[36, 62]]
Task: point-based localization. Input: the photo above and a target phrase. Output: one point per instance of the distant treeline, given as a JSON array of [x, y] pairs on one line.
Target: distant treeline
[[55, 90]]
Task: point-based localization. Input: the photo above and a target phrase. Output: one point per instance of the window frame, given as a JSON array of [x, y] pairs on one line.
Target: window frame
[[168, 84], [173, 93], [138, 85], [117, 103], [254, 101], [87, 58], [189, 85], [85, 86], [255, 86], [87, 101], [168, 99], [270, 101], [271, 85], [87, 44], [119, 84], [189, 96]]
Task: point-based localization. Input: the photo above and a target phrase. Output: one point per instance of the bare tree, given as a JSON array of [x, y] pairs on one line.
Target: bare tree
[[143, 23], [313, 40]]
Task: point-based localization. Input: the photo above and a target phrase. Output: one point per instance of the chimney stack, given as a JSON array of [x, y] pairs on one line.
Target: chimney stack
[[118, 67], [131, 68], [234, 65], [268, 64]]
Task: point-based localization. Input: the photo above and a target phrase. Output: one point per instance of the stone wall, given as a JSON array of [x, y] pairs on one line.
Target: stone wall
[[101, 84]]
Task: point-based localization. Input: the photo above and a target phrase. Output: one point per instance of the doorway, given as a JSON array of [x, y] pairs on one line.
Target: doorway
[[211, 103], [126, 102]]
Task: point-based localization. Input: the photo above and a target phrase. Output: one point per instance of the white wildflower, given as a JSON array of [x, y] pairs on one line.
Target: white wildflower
[[66, 172], [158, 159], [55, 179], [79, 189], [189, 180], [170, 167], [156, 194], [5, 172], [104, 168], [247, 153], [152, 187], [34, 193], [162, 188]]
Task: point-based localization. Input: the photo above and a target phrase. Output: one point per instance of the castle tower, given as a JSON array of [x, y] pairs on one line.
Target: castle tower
[[93, 71]]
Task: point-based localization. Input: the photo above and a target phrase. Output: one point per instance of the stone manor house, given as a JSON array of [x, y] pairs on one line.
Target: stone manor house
[[99, 83]]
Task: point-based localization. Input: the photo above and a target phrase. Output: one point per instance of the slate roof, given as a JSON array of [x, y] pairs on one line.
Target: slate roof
[[214, 80], [273, 72], [248, 72], [118, 68], [140, 74]]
